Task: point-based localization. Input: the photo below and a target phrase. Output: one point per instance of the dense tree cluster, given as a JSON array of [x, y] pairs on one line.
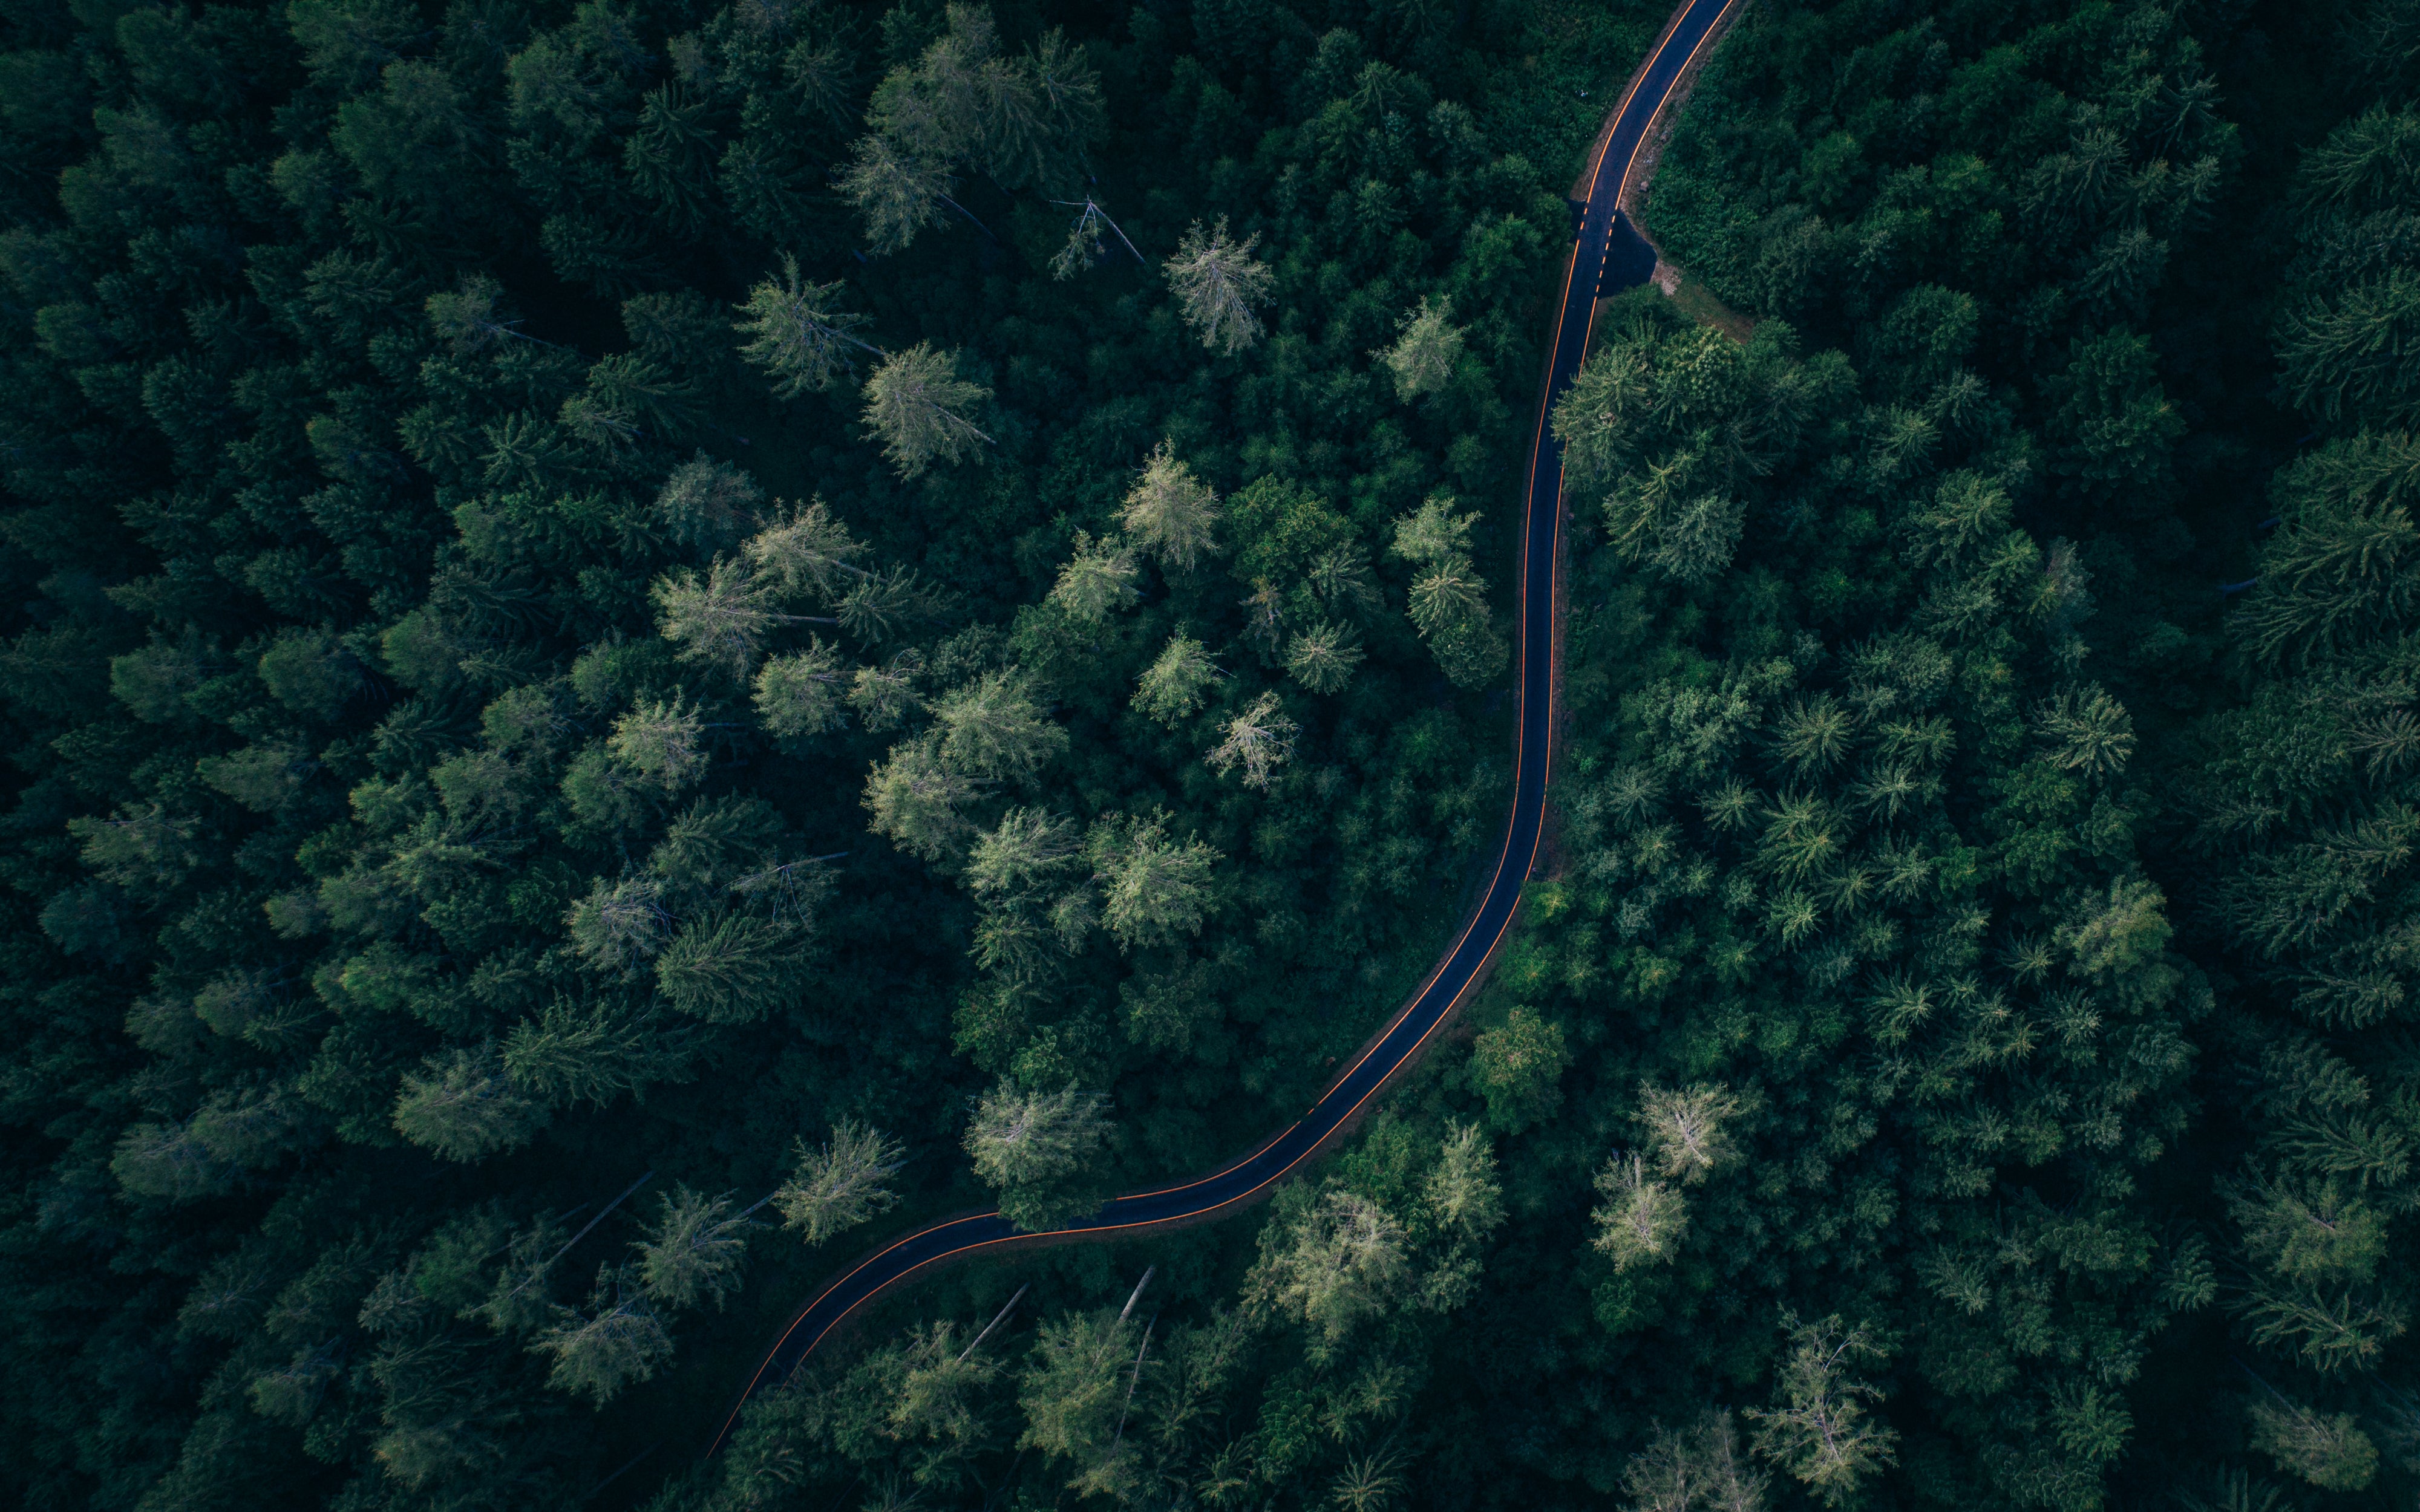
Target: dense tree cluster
[[704, 603], [647, 638]]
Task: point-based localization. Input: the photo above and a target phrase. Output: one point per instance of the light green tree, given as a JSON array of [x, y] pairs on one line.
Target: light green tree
[[1169, 513], [1098, 582], [1819, 1428], [1463, 1191], [1699, 1469], [1026, 849], [1686, 1131], [2328, 1449], [1517, 1066], [1078, 1387], [1041, 1151], [1177, 681], [799, 333], [1323, 657], [842, 1184], [613, 1343], [705, 504], [920, 801], [800, 693], [730, 968], [659, 740], [918, 406], [1329, 1258], [462, 1106], [1217, 281], [1640, 1220], [619, 922], [807, 549], [721, 621], [898, 192], [1154, 888], [1423, 356], [993, 728], [693, 1251], [1259, 739]]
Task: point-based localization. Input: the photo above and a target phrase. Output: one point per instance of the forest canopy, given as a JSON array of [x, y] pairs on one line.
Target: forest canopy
[[649, 642]]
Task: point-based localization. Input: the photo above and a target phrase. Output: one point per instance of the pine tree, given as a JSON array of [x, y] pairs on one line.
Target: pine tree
[[917, 404], [1098, 582], [1323, 659], [1423, 356], [1819, 1430], [800, 693], [612, 1344], [1155, 890], [1217, 282], [1259, 739], [799, 333], [693, 1251], [1329, 1258], [463, 1106], [993, 729], [1041, 1151], [842, 1184], [1169, 513], [1177, 681]]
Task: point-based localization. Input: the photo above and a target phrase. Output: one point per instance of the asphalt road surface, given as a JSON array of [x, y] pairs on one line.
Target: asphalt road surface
[[1402, 1040]]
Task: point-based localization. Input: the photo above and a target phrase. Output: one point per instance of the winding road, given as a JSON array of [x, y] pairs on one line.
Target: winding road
[[1609, 170]]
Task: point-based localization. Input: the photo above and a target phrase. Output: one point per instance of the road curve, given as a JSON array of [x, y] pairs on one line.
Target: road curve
[[1617, 150]]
